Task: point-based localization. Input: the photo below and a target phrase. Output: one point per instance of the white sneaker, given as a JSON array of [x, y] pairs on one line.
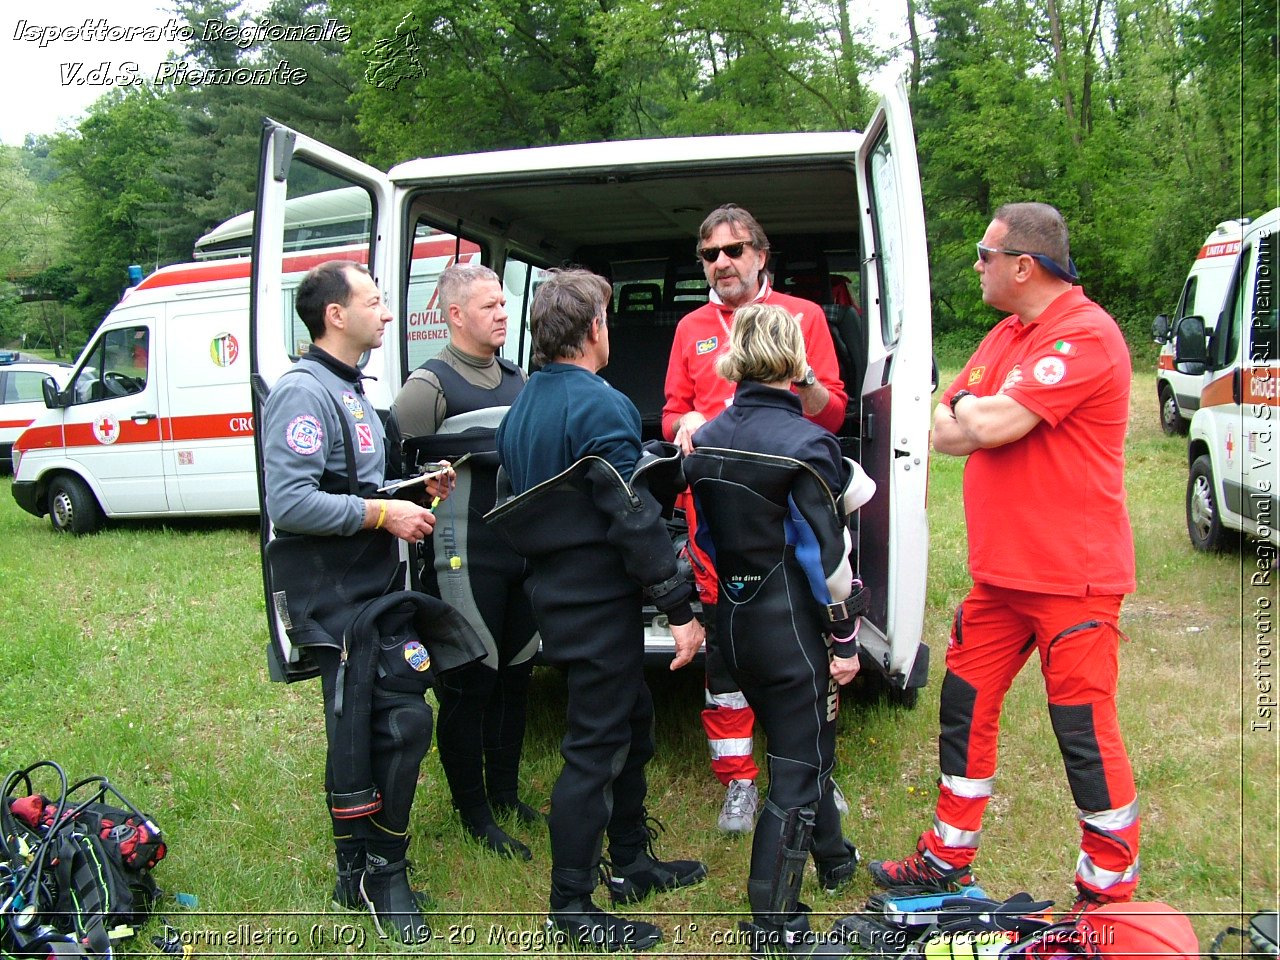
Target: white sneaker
[[841, 803], [738, 815]]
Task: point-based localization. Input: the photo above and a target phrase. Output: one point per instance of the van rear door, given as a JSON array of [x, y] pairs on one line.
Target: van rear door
[[288, 239], [894, 534]]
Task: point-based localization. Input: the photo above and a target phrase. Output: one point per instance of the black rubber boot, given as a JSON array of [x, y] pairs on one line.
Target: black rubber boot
[[645, 875], [479, 822], [350, 861], [771, 935], [575, 920], [384, 888], [835, 872], [636, 870], [510, 805]]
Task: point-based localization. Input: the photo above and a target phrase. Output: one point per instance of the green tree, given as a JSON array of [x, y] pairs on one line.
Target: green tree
[[108, 179]]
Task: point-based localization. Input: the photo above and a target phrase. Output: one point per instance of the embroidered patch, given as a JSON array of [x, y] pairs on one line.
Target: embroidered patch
[[352, 403], [304, 435], [416, 656], [1064, 347], [706, 346], [1050, 370], [364, 435], [975, 375]]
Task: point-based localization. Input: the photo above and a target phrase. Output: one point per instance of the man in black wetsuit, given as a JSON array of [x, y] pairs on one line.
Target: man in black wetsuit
[[450, 407]]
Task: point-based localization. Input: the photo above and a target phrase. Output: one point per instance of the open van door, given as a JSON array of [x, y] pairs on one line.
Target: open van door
[[289, 238], [894, 534]]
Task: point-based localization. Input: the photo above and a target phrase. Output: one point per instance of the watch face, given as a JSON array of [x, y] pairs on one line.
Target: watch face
[[810, 378]]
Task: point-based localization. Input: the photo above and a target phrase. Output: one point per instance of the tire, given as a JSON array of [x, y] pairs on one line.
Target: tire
[[1171, 420], [1204, 521], [72, 506]]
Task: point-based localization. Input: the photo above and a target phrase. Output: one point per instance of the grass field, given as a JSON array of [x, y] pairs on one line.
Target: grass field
[[138, 653]]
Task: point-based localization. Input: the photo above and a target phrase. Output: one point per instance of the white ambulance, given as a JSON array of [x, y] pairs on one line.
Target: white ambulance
[[845, 219], [1178, 393], [1234, 446], [155, 419]]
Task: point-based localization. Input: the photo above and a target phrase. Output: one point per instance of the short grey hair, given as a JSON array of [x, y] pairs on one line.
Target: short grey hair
[[455, 283]]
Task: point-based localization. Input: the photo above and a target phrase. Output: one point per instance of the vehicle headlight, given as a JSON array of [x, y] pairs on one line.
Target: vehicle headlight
[[17, 458]]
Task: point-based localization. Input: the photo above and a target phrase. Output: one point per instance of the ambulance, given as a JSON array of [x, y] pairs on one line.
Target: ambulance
[[1178, 393], [155, 419], [1233, 453], [845, 219]]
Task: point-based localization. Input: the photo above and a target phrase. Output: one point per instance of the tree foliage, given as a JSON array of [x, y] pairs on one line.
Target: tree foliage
[[1145, 121]]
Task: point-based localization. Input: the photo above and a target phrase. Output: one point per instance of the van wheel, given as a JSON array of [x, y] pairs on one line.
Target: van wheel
[[1171, 421], [1204, 524], [72, 506]]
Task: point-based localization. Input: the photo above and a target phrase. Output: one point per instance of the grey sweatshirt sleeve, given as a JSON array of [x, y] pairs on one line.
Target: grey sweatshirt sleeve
[[301, 436]]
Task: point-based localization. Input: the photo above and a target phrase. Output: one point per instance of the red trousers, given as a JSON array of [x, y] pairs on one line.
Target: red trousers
[[995, 631]]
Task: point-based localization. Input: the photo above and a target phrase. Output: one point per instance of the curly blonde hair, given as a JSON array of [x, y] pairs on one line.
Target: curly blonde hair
[[765, 344]]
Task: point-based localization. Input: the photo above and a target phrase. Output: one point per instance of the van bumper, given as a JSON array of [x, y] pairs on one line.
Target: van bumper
[[24, 491]]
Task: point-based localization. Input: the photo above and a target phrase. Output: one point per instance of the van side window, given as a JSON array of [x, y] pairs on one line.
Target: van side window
[[519, 281], [22, 386], [426, 329], [1226, 342], [1187, 302], [116, 367], [1264, 328]]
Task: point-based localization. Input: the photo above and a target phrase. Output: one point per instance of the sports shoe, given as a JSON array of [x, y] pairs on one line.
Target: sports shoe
[[834, 873], [738, 815], [346, 891], [918, 871], [580, 923]]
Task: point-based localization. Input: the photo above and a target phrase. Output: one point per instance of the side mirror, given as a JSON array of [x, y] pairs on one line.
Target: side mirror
[[1160, 329], [53, 398], [1190, 346]]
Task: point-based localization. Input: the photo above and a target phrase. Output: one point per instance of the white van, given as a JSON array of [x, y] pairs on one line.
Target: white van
[[155, 419], [1234, 445], [844, 216], [1178, 393]]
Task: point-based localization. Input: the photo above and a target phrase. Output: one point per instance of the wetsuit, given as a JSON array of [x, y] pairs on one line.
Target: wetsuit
[[450, 407], [762, 479]]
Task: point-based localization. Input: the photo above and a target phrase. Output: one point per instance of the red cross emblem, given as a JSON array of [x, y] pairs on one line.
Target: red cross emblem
[[106, 430]]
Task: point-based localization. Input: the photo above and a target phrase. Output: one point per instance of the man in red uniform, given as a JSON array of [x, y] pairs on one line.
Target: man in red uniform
[[1040, 410], [733, 249]]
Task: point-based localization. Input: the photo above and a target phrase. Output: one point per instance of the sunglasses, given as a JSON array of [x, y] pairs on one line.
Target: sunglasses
[[1070, 275], [731, 250]]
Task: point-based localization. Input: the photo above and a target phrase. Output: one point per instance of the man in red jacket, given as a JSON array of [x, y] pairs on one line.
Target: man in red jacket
[[734, 251], [1040, 410]]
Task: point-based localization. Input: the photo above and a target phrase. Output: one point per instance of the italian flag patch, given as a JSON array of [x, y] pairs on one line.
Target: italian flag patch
[[1064, 348]]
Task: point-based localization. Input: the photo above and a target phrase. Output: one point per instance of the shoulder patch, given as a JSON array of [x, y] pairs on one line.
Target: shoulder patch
[[706, 346], [304, 435], [975, 375], [1049, 370]]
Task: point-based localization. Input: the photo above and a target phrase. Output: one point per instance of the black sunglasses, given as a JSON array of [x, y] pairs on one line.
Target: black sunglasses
[[1069, 274], [731, 250]]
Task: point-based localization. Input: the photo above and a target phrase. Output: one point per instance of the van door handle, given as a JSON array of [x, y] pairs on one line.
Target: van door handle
[[143, 417]]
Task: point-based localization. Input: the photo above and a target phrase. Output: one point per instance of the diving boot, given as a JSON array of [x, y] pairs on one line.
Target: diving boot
[[635, 871], [479, 822], [835, 872], [770, 935], [581, 924], [384, 888]]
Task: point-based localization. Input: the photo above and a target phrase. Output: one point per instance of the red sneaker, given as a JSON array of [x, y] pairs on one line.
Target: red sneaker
[[919, 871]]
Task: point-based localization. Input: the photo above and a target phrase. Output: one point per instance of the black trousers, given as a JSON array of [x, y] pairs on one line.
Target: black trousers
[[609, 728]]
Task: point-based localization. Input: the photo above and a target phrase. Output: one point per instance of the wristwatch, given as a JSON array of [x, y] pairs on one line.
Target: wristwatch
[[959, 395], [808, 380]]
